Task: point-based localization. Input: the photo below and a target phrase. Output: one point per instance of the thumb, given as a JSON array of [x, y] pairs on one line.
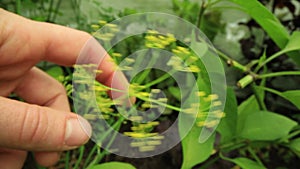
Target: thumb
[[35, 128]]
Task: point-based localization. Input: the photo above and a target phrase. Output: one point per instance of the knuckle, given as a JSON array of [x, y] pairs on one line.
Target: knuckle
[[33, 125]]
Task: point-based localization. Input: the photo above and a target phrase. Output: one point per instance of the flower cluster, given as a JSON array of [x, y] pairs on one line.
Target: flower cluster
[[154, 39], [144, 139], [88, 87], [108, 30], [205, 117], [184, 60]]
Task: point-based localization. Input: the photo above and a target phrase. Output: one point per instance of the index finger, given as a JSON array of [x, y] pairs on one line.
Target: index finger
[[65, 45]]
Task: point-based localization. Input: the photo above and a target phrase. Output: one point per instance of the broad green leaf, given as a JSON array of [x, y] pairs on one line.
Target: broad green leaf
[[55, 72], [269, 23], [175, 91], [246, 108], [293, 96], [266, 126], [246, 163], [295, 146], [293, 43], [227, 126], [266, 20], [113, 165], [193, 151]]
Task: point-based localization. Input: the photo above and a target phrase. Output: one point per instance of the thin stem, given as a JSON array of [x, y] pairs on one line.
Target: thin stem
[[232, 62], [271, 91], [18, 7], [255, 156], [160, 103], [232, 145], [260, 101], [274, 56], [200, 14], [145, 73], [81, 151], [160, 79], [286, 73], [67, 159], [88, 159], [50, 11], [210, 162], [56, 10], [99, 157], [293, 134]]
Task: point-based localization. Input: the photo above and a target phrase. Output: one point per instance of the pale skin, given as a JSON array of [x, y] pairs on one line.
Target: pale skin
[[39, 124]]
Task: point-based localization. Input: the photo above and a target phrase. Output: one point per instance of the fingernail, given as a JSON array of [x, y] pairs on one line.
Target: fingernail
[[78, 131]]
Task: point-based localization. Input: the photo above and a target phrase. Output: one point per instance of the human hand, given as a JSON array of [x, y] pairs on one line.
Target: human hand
[[44, 124]]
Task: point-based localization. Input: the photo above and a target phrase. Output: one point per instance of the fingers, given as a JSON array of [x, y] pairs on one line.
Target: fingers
[[53, 95], [12, 159], [46, 159], [39, 88], [44, 41], [40, 128]]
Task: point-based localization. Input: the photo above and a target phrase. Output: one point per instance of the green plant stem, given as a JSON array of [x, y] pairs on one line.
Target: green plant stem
[[145, 73], [210, 162], [274, 56], [200, 14], [50, 11], [88, 159], [99, 156], [251, 151], [160, 79], [160, 103], [18, 6], [260, 101], [272, 91], [291, 135], [232, 62], [56, 10], [67, 159], [232, 145], [276, 74], [81, 151], [245, 81]]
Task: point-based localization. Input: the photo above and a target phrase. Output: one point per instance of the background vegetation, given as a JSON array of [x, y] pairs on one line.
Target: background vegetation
[[259, 44]]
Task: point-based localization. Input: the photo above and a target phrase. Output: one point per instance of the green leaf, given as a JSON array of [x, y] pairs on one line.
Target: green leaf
[[246, 163], [114, 165], [293, 96], [55, 72], [266, 20], [227, 126], [293, 43], [266, 126], [295, 146], [269, 23], [193, 151], [246, 108], [175, 91]]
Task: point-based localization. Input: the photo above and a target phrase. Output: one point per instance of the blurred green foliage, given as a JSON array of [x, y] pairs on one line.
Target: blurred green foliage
[[259, 43]]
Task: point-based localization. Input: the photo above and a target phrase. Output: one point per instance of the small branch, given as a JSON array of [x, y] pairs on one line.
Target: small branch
[[255, 157], [231, 62], [276, 74], [260, 101], [200, 15]]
